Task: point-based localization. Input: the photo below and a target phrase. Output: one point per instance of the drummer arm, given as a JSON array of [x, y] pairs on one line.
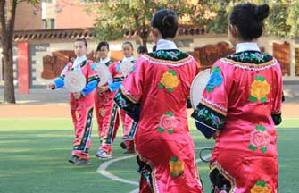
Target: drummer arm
[[59, 81], [278, 97], [131, 107], [211, 112], [115, 83], [131, 91], [92, 81], [90, 86], [208, 120]]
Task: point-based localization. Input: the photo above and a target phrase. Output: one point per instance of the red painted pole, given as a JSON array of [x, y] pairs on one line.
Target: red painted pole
[[23, 67]]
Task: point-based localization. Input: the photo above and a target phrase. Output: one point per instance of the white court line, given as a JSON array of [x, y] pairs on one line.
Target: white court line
[[135, 191], [102, 170]]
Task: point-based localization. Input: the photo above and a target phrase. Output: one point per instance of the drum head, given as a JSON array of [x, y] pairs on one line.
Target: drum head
[[198, 86], [126, 68], [104, 74], [74, 81]]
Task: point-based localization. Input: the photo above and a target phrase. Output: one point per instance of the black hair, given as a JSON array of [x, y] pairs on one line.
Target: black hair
[[102, 44], [248, 18], [82, 40], [166, 21], [142, 50], [128, 43]]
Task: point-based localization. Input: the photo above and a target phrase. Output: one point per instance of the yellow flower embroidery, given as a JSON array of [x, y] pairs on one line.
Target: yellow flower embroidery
[[260, 89], [169, 81], [176, 166], [260, 187]]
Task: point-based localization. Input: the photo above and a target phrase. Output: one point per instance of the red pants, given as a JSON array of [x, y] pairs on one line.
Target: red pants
[[117, 115], [128, 125], [103, 104], [82, 112]]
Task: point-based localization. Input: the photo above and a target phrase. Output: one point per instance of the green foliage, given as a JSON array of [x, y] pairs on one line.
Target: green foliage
[[33, 2], [276, 24], [282, 21], [116, 18], [293, 19], [131, 16]]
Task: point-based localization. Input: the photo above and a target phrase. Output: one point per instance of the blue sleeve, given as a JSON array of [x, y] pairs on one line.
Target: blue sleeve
[[59, 82], [113, 86], [90, 86]]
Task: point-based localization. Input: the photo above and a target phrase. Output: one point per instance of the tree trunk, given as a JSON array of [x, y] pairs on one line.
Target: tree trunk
[[9, 94], [7, 17]]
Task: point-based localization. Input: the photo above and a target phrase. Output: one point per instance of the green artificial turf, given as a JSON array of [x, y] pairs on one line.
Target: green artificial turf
[[34, 153]]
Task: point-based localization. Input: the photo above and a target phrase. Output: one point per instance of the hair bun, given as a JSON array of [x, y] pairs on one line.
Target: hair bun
[[166, 21], [169, 20], [261, 12]]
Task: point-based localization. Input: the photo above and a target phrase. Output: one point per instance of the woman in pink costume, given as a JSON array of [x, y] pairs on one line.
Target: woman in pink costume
[[240, 108], [81, 102], [155, 95]]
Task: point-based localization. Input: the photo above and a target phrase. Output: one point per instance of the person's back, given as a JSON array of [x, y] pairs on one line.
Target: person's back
[[155, 95], [166, 87], [240, 108], [253, 89]]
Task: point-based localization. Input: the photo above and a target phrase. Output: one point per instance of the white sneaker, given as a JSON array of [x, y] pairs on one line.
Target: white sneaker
[[101, 154]]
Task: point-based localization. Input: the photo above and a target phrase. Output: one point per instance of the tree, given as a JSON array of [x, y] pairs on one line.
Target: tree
[[132, 17], [7, 19], [293, 20], [213, 15], [277, 24], [282, 22]]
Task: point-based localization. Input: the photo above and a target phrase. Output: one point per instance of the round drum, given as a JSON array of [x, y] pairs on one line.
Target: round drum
[[74, 81], [104, 74], [198, 85]]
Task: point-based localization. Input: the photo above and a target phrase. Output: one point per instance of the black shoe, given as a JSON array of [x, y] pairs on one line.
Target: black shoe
[[82, 162], [77, 161], [73, 159]]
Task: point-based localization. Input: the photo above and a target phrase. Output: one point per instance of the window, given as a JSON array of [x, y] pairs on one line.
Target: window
[[48, 23]]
